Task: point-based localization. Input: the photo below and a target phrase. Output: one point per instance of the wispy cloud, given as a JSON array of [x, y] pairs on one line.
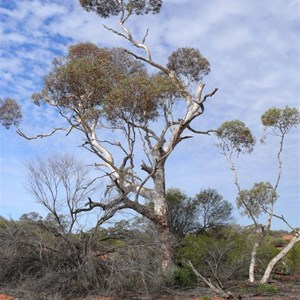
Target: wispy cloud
[[254, 50]]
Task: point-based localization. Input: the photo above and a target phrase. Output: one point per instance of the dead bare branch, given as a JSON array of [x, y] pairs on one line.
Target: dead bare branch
[[215, 287], [285, 221], [208, 132], [22, 134]]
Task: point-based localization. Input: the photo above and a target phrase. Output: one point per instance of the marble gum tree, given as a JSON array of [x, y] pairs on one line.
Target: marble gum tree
[[123, 105]]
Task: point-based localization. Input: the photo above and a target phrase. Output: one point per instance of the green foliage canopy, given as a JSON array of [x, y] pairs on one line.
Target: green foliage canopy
[[256, 201], [207, 209], [96, 83], [281, 120], [189, 63], [212, 209], [10, 113], [107, 8], [235, 136]]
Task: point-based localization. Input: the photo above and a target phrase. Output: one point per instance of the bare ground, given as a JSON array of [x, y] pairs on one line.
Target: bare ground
[[285, 288]]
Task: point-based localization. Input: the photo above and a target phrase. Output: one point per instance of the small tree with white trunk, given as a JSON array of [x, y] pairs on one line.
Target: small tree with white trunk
[[235, 137]]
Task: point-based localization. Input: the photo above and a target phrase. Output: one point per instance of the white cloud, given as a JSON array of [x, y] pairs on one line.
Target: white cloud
[[12, 38], [254, 50]]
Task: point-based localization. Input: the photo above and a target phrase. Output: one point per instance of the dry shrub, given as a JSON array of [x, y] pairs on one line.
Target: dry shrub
[[135, 268], [39, 262]]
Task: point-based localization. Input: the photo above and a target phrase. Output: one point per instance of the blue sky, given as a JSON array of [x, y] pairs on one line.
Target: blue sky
[[254, 50]]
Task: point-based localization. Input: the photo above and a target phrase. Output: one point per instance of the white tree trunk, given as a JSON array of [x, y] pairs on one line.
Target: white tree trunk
[[165, 238], [295, 239], [253, 262], [162, 225]]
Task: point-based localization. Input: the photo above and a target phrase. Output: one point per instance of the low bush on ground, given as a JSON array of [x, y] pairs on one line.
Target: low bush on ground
[[38, 259]]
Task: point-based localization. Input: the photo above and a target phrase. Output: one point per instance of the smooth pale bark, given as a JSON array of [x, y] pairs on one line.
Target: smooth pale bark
[[165, 238], [157, 146], [253, 261], [295, 239], [161, 212], [257, 242]]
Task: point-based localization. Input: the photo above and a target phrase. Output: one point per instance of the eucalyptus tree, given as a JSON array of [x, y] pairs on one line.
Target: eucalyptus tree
[[212, 210], [10, 113], [236, 138], [207, 209], [278, 122], [124, 105]]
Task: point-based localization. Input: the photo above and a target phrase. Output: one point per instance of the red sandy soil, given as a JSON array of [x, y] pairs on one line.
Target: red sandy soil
[[5, 297], [288, 289]]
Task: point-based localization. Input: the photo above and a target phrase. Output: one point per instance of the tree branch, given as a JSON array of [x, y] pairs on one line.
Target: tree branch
[[215, 287], [201, 132], [209, 95], [151, 62], [22, 134], [285, 221]]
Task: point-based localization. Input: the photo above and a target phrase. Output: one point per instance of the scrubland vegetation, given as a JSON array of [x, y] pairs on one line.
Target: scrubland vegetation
[[130, 113], [39, 261]]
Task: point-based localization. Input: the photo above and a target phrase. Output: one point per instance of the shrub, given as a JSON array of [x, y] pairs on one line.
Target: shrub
[[184, 277], [267, 289], [265, 253], [37, 260], [293, 260], [278, 242], [219, 256]]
